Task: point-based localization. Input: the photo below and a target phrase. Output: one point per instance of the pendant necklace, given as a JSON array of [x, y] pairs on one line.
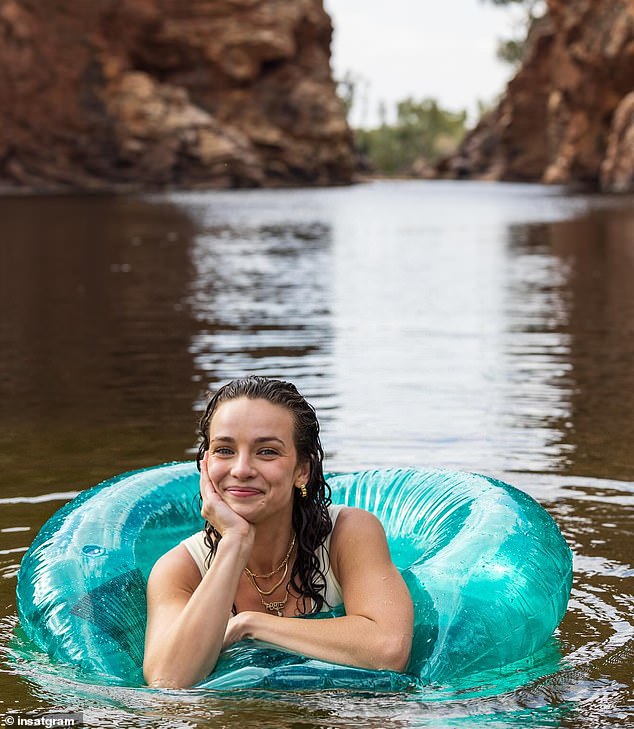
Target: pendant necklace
[[275, 606]]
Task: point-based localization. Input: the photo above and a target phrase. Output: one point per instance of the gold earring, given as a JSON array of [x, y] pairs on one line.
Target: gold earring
[[303, 490]]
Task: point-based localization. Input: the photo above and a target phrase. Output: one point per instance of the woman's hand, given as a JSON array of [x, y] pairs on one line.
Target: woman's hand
[[376, 631], [214, 510], [187, 615], [237, 629]]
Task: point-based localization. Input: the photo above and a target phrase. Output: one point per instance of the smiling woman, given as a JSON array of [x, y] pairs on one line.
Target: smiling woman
[[273, 548], [486, 566]]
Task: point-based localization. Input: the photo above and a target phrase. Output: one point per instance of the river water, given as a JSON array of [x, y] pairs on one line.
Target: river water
[[485, 327]]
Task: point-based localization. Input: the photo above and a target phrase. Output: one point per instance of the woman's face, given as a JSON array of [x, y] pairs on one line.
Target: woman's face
[[252, 458]]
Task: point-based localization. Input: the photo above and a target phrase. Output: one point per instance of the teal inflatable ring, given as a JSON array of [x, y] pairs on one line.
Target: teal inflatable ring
[[488, 569]]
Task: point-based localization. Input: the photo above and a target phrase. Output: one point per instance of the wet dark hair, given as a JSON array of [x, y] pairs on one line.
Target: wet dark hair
[[311, 520]]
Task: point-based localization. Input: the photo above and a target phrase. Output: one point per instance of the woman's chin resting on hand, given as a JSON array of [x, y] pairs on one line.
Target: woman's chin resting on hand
[[273, 548]]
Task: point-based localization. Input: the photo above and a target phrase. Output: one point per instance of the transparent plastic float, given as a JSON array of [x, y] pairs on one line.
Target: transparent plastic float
[[487, 567]]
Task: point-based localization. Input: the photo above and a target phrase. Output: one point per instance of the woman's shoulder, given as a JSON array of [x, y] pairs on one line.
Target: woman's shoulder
[[176, 567], [358, 543], [351, 521], [198, 551], [334, 510], [352, 515]]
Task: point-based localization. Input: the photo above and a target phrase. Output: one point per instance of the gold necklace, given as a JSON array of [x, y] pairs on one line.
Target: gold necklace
[[275, 606], [252, 577], [283, 563]]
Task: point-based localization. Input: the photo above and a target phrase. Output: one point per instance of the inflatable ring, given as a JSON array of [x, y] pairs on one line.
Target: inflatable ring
[[488, 569]]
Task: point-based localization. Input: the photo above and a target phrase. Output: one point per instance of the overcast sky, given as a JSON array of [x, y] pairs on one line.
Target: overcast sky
[[443, 49]]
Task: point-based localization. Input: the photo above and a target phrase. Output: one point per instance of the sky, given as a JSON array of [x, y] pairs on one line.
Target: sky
[[444, 49]]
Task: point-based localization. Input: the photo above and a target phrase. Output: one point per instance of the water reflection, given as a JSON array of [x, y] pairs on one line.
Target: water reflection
[[536, 377], [446, 350], [94, 366], [262, 303], [430, 323], [465, 325], [598, 251]]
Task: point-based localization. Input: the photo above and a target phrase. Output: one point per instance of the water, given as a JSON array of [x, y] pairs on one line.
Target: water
[[465, 325]]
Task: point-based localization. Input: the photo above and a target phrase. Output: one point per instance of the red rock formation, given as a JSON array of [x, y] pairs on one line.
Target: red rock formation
[[558, 121], [122, 94], [617, 170]]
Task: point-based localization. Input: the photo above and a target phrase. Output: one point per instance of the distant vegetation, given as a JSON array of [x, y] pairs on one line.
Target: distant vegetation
[[423, 132], [511, 50]]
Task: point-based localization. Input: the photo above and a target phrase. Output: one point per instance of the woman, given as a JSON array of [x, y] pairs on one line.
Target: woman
[[273, 548]]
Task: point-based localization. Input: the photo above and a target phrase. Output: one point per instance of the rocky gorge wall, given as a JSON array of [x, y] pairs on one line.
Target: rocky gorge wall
[[568, 114], [137, 94]]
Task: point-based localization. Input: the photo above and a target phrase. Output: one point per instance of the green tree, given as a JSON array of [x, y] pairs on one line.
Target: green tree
[[423, 132], [347, 91], [512, 50]]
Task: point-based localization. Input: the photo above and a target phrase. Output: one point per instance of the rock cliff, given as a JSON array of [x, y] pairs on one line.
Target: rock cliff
[[133, 94], [568, 114]]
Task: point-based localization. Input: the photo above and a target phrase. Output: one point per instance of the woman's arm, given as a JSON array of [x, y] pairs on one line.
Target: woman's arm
[[187, 616], [187, 621], [377, 629]]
